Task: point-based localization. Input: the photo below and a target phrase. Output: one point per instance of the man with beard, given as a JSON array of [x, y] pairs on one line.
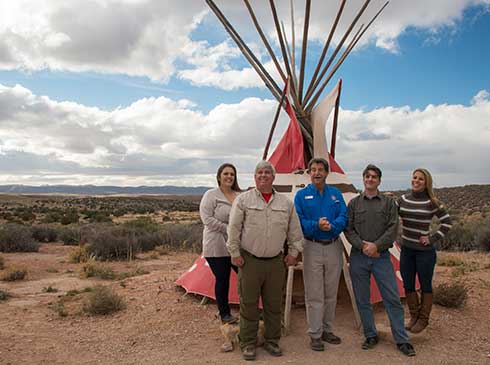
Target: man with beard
[[323, 216]]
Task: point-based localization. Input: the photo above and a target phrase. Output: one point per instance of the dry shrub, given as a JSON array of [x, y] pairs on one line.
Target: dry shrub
[[482, 238], [17, 238], [128, 274], [4, 295], [452, 295], [14, 274], [70, 235], [44, 234], [50, 289], [92, 269], [102, 301], [110, 243], [161, 250], [183, 236], [2, 262], [449, 261], [79, 254]]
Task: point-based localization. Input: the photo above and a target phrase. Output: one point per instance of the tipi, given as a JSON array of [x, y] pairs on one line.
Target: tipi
[[306, 134]]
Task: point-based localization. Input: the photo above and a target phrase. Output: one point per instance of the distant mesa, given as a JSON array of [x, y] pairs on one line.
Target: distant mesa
[[103, 190]]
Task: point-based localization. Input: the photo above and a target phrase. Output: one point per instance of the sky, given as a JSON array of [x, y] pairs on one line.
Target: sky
[[154, 92]]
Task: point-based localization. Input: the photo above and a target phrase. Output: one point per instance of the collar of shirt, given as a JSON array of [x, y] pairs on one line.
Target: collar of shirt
[[378, 195]]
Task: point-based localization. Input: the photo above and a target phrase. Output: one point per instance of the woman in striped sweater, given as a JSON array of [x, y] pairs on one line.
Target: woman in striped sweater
[[418, 252]]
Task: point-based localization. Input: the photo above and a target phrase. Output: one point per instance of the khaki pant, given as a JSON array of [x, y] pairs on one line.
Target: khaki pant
[[322, 266], [260, 278]]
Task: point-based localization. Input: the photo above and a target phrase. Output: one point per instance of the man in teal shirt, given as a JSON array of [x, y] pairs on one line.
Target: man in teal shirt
[[323, 215]]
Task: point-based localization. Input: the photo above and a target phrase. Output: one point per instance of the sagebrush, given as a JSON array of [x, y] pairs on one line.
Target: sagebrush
[[17, 238], [452, 295], [103, 301]]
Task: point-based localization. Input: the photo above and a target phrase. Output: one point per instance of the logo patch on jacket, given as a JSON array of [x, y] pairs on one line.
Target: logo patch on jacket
[[308, 197]]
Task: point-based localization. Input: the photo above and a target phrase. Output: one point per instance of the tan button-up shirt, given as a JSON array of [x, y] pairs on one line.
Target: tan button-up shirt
[[261, 228]]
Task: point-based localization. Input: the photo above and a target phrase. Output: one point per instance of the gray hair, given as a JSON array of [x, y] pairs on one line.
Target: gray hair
[[265, 165]]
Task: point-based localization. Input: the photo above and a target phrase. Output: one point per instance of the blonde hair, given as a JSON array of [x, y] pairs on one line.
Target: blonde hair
[[429, 182]]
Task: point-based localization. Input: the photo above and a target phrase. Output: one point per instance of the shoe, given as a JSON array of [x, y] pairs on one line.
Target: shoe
[[414, 308], [370, 343], [273, 349], [406, 348], [424, 313], [248, 353], [331, 338], [316, 344], [228, 318]]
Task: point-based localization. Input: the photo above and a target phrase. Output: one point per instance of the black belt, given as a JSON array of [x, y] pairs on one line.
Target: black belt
[[263, 258], [322, 242]]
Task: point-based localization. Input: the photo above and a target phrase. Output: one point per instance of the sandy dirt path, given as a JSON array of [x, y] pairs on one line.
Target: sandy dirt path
[[161, 326]]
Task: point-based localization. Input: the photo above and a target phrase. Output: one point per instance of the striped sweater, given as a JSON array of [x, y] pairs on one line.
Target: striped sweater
[[416, 212]]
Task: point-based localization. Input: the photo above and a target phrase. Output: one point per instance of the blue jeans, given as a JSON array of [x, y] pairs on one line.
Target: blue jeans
[[361, 267], [420, 263]]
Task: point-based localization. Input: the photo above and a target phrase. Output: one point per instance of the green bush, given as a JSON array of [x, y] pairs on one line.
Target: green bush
[[70, 217], [459, 238], [44, 234], [17, 238], [452, 295], [102, 301], [52, 217], [4, 295], [50, 289]]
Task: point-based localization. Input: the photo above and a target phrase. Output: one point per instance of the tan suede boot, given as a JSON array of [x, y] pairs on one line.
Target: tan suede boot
[[425, 308], [414, 308]]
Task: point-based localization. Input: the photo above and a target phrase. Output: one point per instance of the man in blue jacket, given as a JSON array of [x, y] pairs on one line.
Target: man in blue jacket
[[323, 215]]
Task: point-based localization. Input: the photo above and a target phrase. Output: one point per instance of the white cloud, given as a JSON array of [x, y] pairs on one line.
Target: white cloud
[[157, 140], [153, 38]]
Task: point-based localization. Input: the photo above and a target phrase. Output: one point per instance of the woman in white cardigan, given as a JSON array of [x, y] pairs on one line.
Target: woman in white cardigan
[[215, 210]]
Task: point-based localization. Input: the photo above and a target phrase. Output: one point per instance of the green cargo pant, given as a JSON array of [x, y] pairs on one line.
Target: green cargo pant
[[260, 278]]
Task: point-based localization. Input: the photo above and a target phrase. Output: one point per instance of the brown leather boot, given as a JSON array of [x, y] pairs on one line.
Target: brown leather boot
[[413, 307], [425, 308]]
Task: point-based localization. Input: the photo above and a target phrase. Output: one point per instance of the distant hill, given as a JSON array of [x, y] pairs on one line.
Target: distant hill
[[463, 199], [102, 190]]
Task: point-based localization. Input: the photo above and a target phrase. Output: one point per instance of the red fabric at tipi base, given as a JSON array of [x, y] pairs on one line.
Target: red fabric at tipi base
[[199, 279]]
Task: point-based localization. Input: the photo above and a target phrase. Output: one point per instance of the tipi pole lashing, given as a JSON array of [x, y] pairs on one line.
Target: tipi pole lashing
[[274, 122], [254, 62], [325, 47], [334, 54], [303, 50]]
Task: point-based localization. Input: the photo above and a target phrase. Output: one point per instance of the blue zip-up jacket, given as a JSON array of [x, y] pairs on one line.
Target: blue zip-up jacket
[[311, 206]]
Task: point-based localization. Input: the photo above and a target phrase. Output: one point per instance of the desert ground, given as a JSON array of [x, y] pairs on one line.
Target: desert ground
[[161, 325]]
